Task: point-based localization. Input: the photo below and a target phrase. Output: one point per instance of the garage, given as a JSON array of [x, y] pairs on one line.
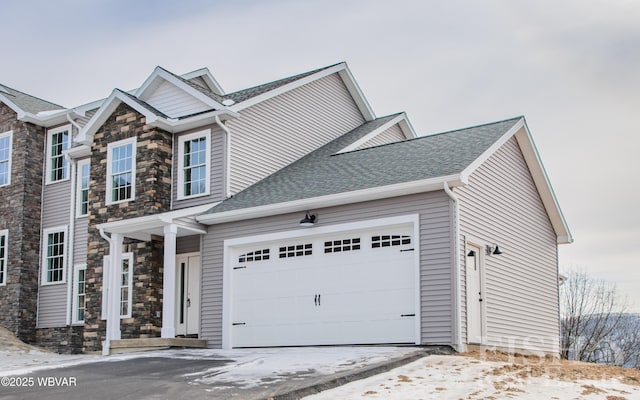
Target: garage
[[355, 286]]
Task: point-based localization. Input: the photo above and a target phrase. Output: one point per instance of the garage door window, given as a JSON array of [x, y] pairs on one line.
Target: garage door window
[[296, 251], [337, 246], [389, 240], [258, 255]]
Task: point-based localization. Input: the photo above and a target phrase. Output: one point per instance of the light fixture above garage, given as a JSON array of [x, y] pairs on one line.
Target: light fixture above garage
[[308, 220]]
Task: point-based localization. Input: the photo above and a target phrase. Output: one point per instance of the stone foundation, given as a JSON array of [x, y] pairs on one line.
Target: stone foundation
[[65, 340]]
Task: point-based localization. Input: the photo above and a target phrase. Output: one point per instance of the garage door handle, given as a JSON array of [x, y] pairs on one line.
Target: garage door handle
[[316, 300], [407, 315], [403, 250]]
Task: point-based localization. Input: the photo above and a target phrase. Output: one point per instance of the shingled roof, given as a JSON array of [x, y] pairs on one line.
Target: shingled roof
[[26, 102], [324, 172]]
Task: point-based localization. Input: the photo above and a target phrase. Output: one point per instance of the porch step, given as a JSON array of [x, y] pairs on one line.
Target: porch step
[[145, 344]]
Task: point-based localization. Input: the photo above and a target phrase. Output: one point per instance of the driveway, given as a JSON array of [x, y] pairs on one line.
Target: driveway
[[199, 374]]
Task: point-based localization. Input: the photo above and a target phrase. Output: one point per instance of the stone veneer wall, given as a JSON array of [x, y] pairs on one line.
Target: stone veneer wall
[[153, 195], [20, 214], [65, 340]]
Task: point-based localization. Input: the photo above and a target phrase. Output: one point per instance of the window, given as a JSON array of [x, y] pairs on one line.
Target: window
[[83, 188], [337, 246], [258, 255], [80, 279], [5, 157], [389, 240], [121, 171], [54, 255], [57, 142], [125, 285], [4, 244], [296, 251], [194, 155]]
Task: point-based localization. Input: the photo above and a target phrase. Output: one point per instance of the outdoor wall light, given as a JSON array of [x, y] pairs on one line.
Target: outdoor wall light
[[308, 220], [493, 250]]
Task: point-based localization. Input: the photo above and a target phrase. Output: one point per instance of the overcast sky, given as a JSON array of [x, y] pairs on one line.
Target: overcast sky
[[571, 67]]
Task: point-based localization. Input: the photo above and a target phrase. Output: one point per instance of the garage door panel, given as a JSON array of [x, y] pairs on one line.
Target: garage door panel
[[344, 288]]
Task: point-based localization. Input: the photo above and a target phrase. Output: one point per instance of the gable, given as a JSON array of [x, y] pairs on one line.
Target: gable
[[390, 135], [174, 101]]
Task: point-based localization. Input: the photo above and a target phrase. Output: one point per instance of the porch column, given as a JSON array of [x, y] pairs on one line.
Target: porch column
[[113, 287], [169, 282]]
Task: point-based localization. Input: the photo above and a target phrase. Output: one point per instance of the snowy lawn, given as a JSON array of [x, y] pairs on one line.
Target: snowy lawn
[[459, 377]]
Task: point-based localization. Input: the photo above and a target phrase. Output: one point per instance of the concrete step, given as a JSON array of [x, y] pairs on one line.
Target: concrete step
[[145, 344]]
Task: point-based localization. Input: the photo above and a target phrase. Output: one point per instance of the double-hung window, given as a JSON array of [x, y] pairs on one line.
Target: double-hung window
[[194, 160], [79, 295], [58, 140], [6, 139], [4, 244], [121, 171], [54, 255], [83, 188], [125, 286]]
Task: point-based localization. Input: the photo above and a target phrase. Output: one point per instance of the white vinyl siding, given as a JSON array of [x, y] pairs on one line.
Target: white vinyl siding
[[125, 287], [278, 131], [54, 255], [82, 188], [6, 145], [391, 135], [4, 256], [79, 293], [502, 206], [435, 257], [58, 140], [121, 171], [174, 101], [194, 164]]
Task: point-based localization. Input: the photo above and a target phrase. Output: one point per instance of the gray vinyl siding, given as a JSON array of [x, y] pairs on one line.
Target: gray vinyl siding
[[80, 241], [501, 205], [216, 173], [188, 244], [52, 299], [435, 257], [390, 135], [278, 131], [174, 101]]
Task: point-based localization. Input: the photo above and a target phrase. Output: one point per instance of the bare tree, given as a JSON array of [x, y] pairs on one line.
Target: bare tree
[[592, 316]]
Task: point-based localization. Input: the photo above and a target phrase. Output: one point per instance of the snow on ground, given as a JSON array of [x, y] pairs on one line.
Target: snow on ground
[[458, 377], [20, 362]]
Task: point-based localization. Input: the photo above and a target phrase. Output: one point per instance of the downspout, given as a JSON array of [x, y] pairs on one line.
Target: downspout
[[456, 270], [72, 229], [107, 340], [227, 157]]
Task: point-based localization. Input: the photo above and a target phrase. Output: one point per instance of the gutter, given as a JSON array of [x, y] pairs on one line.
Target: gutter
[[106, 347], [71, 239], [227, 183], [456, 269]]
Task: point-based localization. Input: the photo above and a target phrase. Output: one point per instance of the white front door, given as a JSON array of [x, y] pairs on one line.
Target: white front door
[[188, 294], [351, 287], [474, 294]]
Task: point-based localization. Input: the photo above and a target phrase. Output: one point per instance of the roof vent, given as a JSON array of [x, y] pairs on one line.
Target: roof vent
[[228, 102]]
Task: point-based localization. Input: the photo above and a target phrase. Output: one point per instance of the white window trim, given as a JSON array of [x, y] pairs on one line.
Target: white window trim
[[10, 135], [80, 164], [45, 234], [50, 133], [110, 147], [106, 270], [181, 141], [77, 268], [5, 273]]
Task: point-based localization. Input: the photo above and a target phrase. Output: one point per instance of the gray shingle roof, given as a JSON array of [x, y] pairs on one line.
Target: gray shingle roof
[[323, 172], [27, 102]]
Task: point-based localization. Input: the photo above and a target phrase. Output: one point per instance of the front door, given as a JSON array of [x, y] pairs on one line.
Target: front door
[[474, 294], [188, 294]]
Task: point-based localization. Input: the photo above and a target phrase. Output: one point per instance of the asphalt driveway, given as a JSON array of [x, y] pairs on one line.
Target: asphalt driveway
[[208, 374]]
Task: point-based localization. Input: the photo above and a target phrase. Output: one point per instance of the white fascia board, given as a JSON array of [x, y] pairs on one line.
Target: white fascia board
[[45, 119], [407, 128], [197, 121], [150, 222], [78, 151], [492, 149], [543, 185], [373, 134], [208, 78], [158, 73], [21, 113], [356, 196], [357, 93]]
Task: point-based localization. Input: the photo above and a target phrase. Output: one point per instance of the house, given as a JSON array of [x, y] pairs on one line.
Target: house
[[285, 214]]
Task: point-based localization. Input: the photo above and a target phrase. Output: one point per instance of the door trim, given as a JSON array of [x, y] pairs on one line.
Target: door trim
[[187, 256], [481, 277], [230, 244]]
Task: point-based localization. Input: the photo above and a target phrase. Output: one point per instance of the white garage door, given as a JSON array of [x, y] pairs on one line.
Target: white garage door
[[355, 287]]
